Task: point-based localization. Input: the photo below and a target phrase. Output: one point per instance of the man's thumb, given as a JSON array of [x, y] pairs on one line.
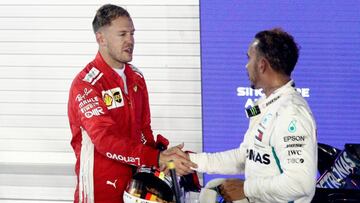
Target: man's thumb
[[180, 146]]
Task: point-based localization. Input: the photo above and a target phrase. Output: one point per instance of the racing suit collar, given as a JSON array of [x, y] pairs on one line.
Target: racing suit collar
[[264, 101], [273, 97], [133, 80], [101, 64]]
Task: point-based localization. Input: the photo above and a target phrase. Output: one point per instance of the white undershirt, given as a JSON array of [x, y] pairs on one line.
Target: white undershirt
[[121, 72]]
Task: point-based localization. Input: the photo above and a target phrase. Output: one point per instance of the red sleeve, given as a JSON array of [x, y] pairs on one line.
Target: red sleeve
[[93, 116], [146, 118]]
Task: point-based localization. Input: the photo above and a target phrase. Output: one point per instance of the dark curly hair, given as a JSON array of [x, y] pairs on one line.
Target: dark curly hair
[[107, 13], [279, 48]]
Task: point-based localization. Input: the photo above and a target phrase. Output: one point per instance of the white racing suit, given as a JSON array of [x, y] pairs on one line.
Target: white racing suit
[[278, 154]]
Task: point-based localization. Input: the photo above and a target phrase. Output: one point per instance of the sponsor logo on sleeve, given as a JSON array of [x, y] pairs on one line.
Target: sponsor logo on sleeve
[[294, 145], [295, 161], [93, 76], [262, 127], [113, 98], [272, 100], [292, 126], [94, 112], [294, 152], [108, 100], [294, 138], [127, 159], [118, 97], [92, 100], [259, 135], [258, 157], [143, 139], [83, 95], [266, 119], [90, 107]]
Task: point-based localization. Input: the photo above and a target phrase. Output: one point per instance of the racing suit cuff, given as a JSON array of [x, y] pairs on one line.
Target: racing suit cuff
[[150, 156], [248, 191]]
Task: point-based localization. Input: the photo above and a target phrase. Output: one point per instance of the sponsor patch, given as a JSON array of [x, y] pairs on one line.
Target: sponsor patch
[[94, 112], [92, 76], [259, 136], [272, 101], [292, 126], [266, 119], [92, 100], [294, 152], [262, 127], [258, 157], [118, 97], [296, 161], [293, 138], [143, 139], [108, 100], [294, 145], [84, 95], [253, 111], [113, 98], [128, 159]]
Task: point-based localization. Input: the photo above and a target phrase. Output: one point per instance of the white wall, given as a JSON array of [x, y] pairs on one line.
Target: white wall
[[44, 43]]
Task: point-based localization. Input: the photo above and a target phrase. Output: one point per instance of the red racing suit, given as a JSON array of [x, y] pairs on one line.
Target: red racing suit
[[110, 130]]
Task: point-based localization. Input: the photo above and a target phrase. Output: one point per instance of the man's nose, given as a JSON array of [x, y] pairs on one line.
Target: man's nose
[[130, 38]]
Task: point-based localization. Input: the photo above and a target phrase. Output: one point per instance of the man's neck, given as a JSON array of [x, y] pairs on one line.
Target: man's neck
[[110, 61], [275, 84]]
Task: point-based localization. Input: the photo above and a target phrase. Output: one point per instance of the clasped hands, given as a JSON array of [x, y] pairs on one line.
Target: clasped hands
[[232, 189], [182, 162]]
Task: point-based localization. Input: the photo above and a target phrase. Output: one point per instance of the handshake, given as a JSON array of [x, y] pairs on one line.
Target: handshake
[[180, 158]]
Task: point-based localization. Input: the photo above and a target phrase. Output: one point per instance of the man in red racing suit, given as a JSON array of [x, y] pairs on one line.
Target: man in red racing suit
[[109, 115], [99, 113]]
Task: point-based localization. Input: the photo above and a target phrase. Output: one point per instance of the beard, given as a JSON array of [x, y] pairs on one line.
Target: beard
[[252, 84], [118, 57]]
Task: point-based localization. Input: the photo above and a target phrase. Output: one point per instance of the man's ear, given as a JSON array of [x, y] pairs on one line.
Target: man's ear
[[263, 65], [100, 38]]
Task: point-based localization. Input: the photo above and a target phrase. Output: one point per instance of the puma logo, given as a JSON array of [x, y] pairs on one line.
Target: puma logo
[[108, 182]]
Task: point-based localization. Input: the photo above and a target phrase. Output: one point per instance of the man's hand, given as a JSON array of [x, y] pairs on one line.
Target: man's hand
[[232, 189], [181, 160]]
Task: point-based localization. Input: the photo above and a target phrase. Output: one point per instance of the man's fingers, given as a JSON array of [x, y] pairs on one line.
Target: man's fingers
[[180, 146], [175, 150], [186, 161], [182, 166], [183, 170], [181, 159]]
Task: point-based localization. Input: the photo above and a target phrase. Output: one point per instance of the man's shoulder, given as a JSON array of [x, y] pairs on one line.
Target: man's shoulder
[[136, 70], [293, 103], [89, 74]]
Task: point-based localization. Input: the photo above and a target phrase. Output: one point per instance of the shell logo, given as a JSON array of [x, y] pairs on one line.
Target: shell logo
[[108, 100]]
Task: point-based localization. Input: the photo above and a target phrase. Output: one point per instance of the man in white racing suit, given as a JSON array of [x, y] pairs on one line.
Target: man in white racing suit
[[279, 152]]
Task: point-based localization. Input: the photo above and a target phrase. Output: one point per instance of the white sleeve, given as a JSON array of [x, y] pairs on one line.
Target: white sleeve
[[295, 151], [227, 162]]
